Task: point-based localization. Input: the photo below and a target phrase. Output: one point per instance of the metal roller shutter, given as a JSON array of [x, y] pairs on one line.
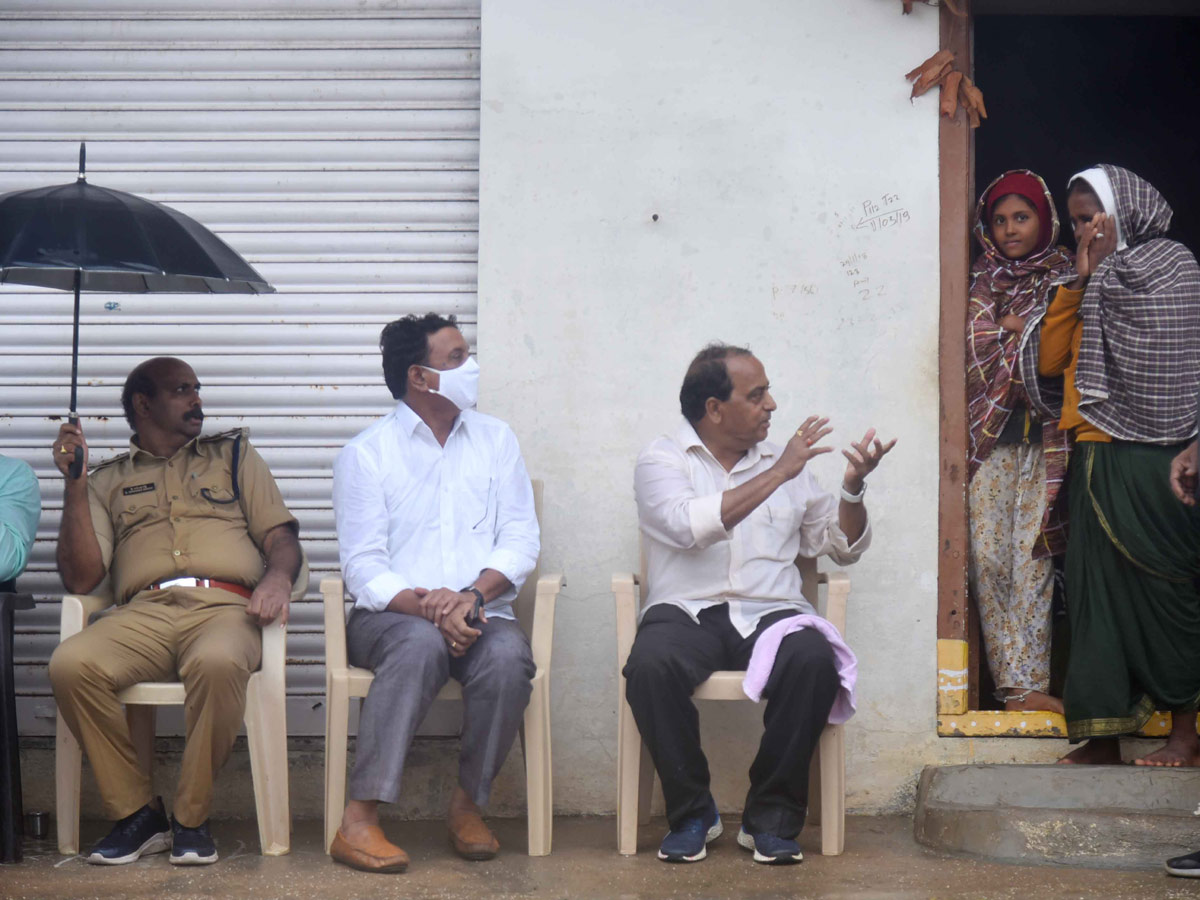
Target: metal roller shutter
[[334, 143]]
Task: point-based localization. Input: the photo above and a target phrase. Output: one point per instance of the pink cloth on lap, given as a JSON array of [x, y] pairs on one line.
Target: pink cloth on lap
[[762, 660]]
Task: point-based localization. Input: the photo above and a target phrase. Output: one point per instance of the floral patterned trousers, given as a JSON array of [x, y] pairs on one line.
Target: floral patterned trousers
[[1012, 590]]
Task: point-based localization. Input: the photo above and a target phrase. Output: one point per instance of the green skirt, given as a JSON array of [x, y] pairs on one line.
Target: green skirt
[[1133, 557]]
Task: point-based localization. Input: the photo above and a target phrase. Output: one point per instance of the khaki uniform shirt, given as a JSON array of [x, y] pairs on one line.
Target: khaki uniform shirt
[[160, 518]]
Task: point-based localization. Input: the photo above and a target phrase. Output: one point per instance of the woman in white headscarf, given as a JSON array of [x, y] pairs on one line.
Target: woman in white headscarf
[[1125, 338]]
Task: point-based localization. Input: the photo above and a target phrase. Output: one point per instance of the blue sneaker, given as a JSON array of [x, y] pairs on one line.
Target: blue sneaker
[[192, 846], [687, 842], [145, 831], [770, 849]]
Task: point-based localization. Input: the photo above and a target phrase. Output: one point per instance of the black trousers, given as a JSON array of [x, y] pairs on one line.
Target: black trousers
[[672, 654]]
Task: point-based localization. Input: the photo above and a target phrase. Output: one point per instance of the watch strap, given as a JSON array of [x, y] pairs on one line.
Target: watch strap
[[854, 498], [479, 601]]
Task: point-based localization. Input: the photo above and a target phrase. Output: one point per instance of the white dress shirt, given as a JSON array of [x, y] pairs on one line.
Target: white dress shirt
[[411, 513], [693, 562]]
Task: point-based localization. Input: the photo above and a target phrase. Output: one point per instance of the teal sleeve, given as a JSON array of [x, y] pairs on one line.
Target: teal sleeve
[[20, 509]]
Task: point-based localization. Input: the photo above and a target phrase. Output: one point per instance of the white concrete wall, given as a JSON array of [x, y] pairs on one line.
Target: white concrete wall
[[763, 135]]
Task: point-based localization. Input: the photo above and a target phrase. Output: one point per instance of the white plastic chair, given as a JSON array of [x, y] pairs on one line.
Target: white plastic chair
[[265, 719], [535, 611], [635, 770]]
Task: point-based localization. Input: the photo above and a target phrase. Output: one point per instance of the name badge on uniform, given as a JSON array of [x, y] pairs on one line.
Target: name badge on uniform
[[138, 489]]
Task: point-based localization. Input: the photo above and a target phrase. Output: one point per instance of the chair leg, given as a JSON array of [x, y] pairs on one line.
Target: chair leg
[[547, 781], [266, 735], [813, 813], [538, 783], [629, 762], [68, 761], [833, 790], [337, 728]]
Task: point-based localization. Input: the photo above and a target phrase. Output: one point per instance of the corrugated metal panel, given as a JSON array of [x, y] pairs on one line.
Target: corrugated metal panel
[[334, 144]]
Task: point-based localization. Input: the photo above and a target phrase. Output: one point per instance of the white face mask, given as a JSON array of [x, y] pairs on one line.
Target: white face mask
[[460, 386]]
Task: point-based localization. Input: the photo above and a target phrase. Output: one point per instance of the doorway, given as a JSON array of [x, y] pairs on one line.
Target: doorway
[[1092, 83]]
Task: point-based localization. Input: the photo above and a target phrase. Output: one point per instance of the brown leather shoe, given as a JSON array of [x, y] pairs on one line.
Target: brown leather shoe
[[470, 837], [369, 852]]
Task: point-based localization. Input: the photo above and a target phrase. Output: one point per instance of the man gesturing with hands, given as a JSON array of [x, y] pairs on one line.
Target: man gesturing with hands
[[436, 533], [724, 514]]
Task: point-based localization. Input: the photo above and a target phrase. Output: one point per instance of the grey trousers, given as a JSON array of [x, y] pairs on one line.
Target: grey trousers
[[411, 663]]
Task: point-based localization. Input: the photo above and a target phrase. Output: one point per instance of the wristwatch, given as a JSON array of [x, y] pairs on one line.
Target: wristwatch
[[854, 498], [479, 601]]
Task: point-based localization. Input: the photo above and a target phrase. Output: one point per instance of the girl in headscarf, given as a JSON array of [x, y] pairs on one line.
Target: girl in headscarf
[[1017, 454], [1125, 336]]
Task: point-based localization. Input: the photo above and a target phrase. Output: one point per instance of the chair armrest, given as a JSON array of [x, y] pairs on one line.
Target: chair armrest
[[334, 597], [274, 649], [837, 593], [625, 596], [300, 585], [541, 638], [77, 609]]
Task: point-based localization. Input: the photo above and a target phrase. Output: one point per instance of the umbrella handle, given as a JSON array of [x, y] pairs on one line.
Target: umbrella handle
[[76, 467]]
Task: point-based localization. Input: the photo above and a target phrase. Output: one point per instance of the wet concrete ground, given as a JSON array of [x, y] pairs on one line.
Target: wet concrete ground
[[881, 860]]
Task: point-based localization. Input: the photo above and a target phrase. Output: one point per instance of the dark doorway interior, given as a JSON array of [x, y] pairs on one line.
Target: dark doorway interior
[[1066, 92]]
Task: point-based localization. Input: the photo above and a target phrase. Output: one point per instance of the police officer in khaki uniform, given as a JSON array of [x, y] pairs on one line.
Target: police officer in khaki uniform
[[201, 552]]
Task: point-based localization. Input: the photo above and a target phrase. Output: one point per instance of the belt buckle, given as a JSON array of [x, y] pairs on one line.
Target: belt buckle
[[183, 581]]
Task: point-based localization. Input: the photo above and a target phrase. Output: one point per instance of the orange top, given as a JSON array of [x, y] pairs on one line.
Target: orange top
[[1058, 353]]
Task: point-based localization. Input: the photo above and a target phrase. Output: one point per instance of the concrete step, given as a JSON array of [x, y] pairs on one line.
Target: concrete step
[[1103, 816]]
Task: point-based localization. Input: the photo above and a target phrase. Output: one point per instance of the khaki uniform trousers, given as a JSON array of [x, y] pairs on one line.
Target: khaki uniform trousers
[[200, 636]]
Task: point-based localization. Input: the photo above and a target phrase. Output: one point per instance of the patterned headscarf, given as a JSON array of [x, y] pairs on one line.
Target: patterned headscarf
[[995, 381], [1032, 189], [1139, 355]]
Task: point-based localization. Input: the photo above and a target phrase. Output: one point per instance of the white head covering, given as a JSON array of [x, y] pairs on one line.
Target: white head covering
[[1098, 179]]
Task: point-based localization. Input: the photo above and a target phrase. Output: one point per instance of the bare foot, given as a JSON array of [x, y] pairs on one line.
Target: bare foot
[[1096, 752], [1035, 700], [1182, 747]]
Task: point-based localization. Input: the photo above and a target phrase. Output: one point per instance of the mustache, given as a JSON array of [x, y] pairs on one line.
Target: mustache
[[194, 414]]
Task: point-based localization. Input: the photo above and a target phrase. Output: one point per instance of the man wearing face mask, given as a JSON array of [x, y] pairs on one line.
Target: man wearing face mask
[[436, 534]]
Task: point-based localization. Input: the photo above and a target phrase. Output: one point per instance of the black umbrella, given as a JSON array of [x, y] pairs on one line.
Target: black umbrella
[[82, 237]]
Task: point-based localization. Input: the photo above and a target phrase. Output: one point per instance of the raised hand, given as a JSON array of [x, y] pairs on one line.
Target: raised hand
[[863, 459], [803, 446], [69, 437], [1097, 239]]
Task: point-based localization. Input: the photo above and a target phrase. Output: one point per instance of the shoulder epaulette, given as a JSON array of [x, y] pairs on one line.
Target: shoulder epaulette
[[104, 464], [232, 435]]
